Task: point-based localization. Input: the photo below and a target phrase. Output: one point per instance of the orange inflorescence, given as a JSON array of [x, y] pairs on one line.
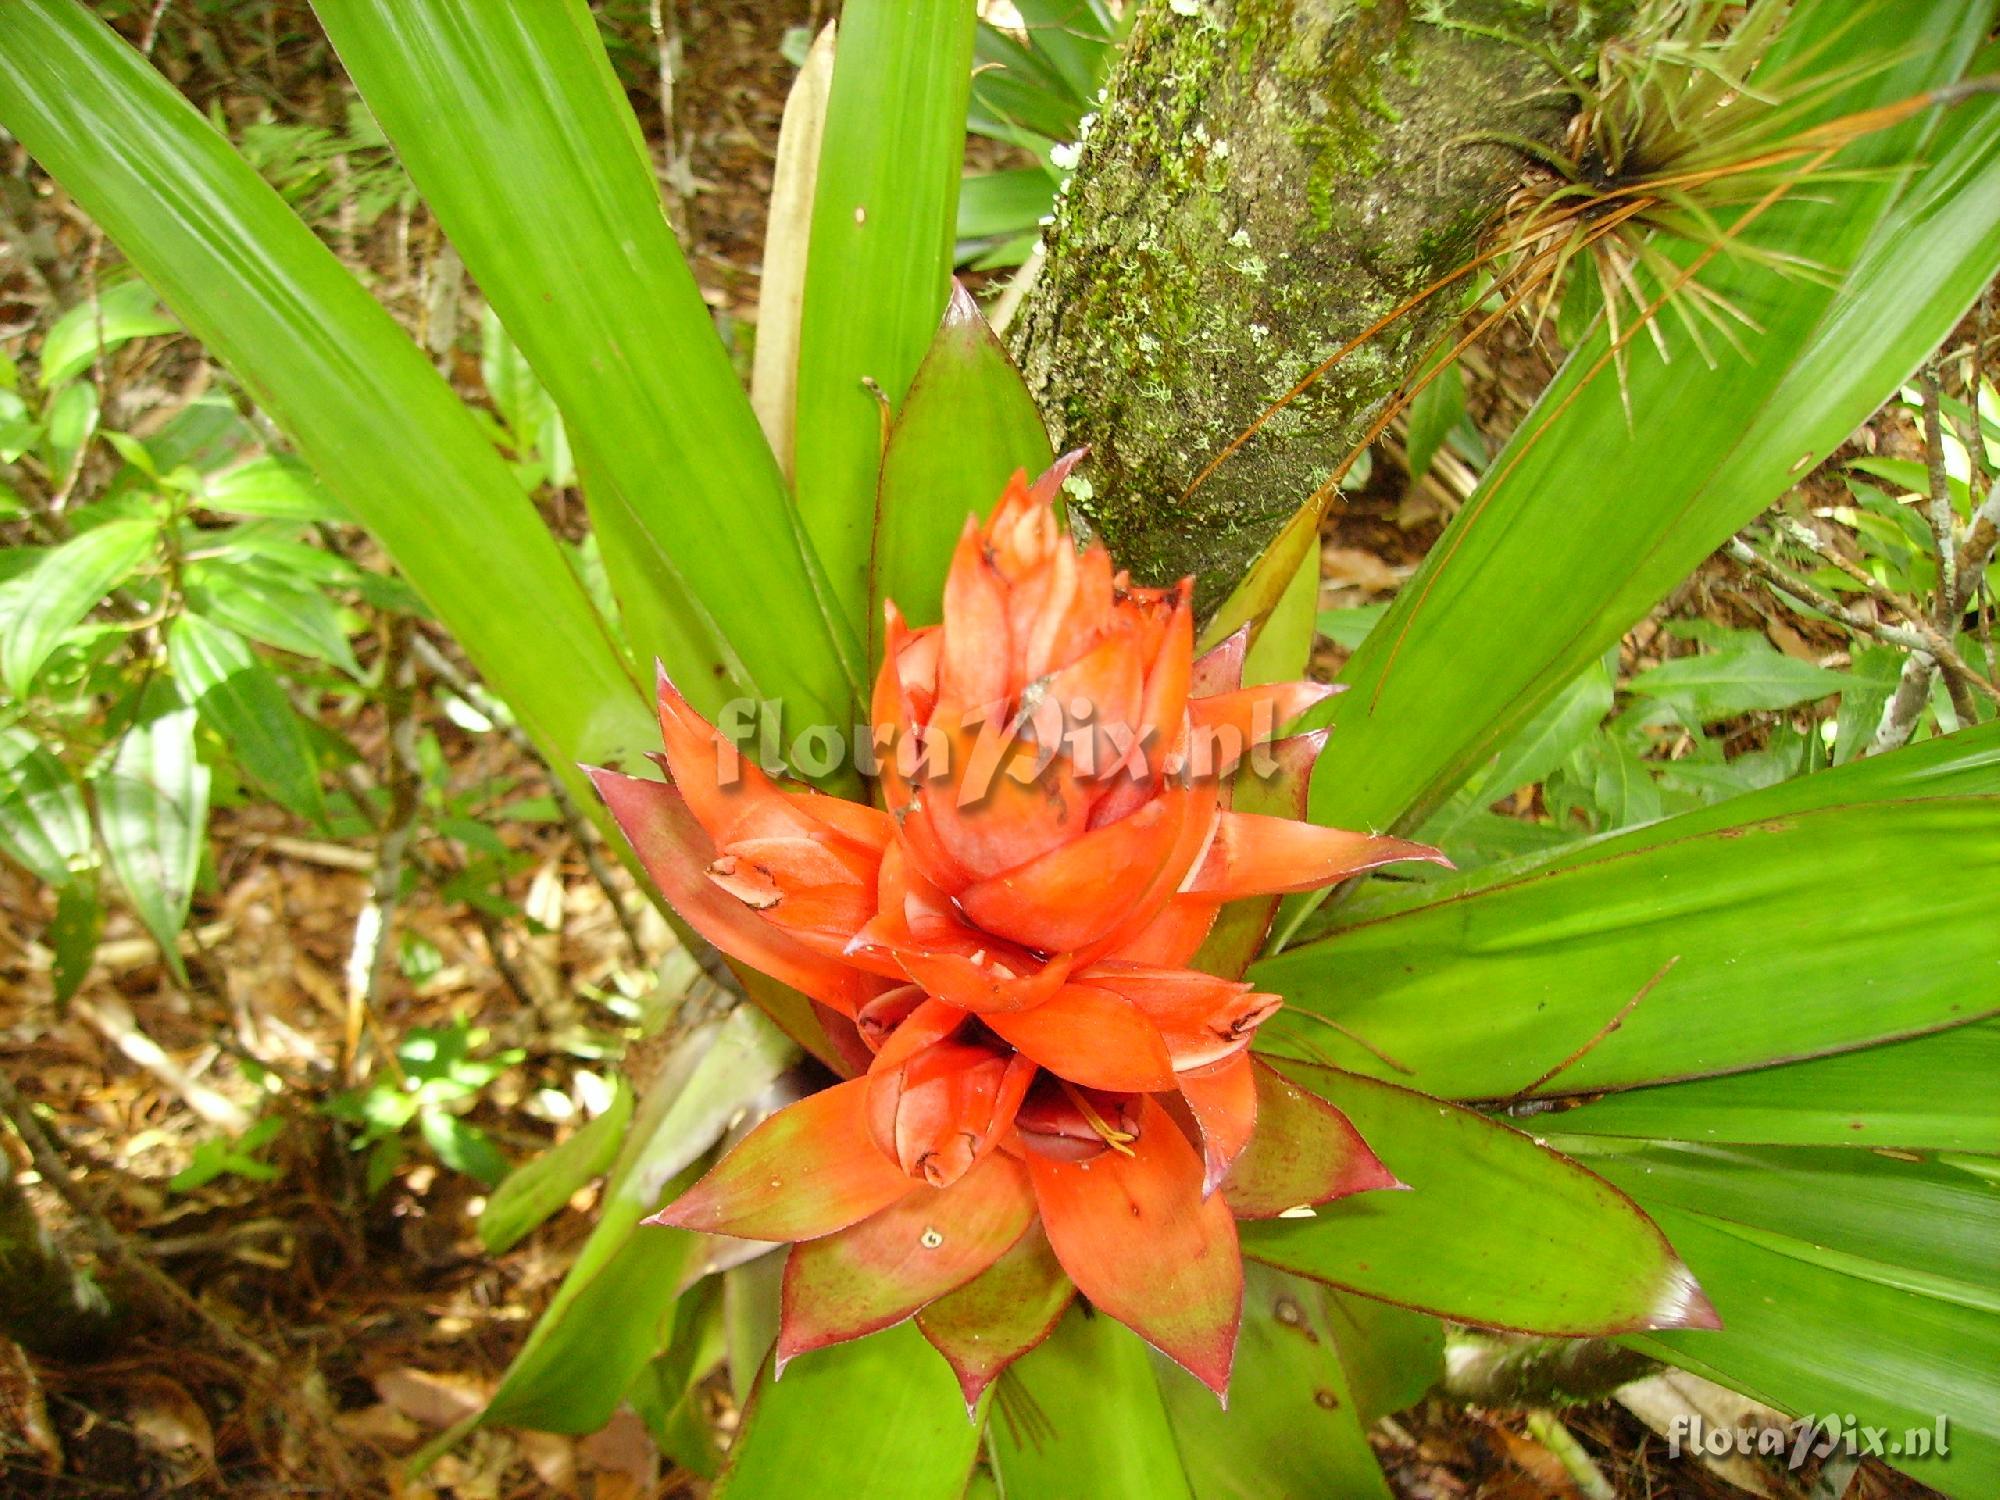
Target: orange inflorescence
[[1046, 1095]]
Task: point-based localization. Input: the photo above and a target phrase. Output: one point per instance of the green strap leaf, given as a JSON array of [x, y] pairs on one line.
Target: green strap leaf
[[879, 1417], [515, 129], [65, 584], [366, 409], [240, 699], [966, 425], [1933, 1093], [152, 808], [1919, 1225], [535, 1191], [1084, 1415], [1817, 1342], [884, 216], [1621, 512], [1294, 1425], [613, 1310], [1691, 954], [1848, 1282], [1557, 1250]]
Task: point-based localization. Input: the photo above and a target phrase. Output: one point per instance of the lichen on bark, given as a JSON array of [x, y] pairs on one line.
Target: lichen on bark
[[1265, 178]]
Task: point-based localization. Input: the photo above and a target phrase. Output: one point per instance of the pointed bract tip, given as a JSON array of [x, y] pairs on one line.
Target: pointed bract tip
[[960, 306], [1684, 1304]]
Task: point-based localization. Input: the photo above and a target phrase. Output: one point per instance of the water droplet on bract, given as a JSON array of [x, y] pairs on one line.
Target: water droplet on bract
[[930, 1239]]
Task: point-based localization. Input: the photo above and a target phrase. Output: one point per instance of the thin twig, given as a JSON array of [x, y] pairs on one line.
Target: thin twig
[[1921, 636], [1602, 1032], [368, 958]]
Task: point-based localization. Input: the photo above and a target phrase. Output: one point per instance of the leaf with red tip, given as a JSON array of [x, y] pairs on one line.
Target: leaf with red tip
[[999, 1315], [1558, 1250], [1220, 668], [965, 424], [809, 1170], [1135, 1234], [677, 852], [881, 1270], [1304, 1152], [1091, 1037], [1252, 854], [1223, 1100]]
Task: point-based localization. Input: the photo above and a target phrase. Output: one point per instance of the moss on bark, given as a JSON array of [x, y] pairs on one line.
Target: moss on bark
[[1265, 178]]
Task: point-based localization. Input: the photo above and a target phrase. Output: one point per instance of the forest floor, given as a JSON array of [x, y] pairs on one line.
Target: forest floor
[[336, 1325]]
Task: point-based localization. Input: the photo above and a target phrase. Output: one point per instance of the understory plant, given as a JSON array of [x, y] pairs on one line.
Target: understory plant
[[1716, 1085]]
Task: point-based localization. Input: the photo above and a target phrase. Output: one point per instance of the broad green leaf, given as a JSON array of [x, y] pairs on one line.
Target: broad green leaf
[[966, 425], [44, 825], [1283, 645], [240, 699], [1084, 1415], [1432, 415], [884, 215], [71, 421], [538, 1189], [611, 1314], [1813, 1341], [1349, 627], [993, 204], [1016, 97], [667, 1396], [269, 607], [516, 131], [1739, 679], [73, 936], [462, 1147], [152, 809], [365, 408], [119, 314], [880, 1416], [1392, 1356], [1076, 39], [66, 583], [282, 488], [1930, 1093], [1692, 953], [1293, 1425], [517, 395], [1847, 1281], [1556, 1249], [1917, 1225], [1587, 518], [1472, 835]]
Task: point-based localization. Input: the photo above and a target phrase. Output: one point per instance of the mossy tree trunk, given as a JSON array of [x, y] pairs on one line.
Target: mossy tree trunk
[[1266, 178]]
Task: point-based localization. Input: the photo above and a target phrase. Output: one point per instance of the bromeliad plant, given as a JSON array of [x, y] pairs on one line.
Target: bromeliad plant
[[1761, 1030], [1048, 1097]]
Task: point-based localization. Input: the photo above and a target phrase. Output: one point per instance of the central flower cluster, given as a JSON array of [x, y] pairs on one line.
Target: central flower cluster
[[1047, 1095]]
